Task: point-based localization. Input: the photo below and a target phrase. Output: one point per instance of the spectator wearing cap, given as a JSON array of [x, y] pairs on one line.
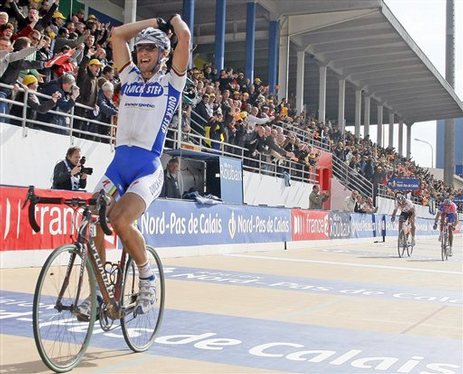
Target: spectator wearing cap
[[66, 86], [58, 19], [34, 104], [87, 80], [107, 108]]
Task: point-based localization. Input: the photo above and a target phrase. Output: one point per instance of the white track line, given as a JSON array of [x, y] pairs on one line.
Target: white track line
[[346, 264]]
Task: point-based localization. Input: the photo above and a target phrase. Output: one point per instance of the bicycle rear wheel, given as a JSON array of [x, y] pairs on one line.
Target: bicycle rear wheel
[[139, 332], [408, 245], [60, 337], [401, 244]]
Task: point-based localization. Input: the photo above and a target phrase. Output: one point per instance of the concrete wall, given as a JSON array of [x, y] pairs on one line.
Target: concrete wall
[[29, 160]]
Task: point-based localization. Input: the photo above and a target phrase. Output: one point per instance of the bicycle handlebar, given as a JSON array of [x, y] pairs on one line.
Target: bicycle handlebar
[[101, 203]]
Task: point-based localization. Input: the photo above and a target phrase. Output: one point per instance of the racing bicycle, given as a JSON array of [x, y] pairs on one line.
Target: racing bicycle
[[404, 242], [62, 332]]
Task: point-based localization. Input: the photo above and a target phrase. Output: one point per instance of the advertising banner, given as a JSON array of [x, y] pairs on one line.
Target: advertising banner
[[363, 226], [404, 184], [177, 223], [58, 223], [310, 224], [231, 180], [340, 225]]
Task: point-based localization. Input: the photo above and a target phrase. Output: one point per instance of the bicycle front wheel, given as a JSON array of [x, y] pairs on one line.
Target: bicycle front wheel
[[139, 331], [401, 244], [61, 338], [445, 246]]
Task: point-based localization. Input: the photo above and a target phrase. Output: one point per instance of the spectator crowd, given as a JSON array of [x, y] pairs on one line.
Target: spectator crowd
[[69, 59]]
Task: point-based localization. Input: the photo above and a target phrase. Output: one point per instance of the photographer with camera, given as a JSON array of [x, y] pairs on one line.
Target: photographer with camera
[[70, 174]]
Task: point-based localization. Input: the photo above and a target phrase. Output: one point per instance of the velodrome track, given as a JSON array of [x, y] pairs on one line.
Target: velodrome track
[[350, 308]]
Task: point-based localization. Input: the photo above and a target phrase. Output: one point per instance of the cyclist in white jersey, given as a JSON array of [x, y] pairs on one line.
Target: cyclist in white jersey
[[407, 211], [149, 99]]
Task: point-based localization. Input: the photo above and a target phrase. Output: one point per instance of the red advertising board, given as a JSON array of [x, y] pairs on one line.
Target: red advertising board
[[58, 223], [310, 224]]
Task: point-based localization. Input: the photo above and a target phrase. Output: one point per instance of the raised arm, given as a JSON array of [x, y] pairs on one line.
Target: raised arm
[[182, 50]]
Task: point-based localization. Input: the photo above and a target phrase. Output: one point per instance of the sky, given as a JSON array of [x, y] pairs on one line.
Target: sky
[[424, 20]]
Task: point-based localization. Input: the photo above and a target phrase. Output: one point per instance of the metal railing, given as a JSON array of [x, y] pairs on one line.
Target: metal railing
[[350, 178], [70, 119]]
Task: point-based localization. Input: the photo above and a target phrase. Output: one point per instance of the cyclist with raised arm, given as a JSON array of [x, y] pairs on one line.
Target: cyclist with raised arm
[[407, 211], [150, 96], [448, 209]]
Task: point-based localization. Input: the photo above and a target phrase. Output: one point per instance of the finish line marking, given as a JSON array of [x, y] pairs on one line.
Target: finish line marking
[[345, 264]]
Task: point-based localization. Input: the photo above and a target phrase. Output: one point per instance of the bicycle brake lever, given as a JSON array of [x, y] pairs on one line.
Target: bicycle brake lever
[[29, 196]]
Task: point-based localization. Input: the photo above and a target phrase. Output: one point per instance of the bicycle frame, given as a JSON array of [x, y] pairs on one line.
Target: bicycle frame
[[86, 233]]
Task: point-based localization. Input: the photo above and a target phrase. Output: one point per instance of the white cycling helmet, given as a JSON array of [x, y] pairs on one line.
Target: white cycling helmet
[[150, 35], [400, 198]]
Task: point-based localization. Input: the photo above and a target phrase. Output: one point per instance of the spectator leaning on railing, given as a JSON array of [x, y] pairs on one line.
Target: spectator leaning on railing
[[87, 80], [66, 86], [106, 107], [34, 104]]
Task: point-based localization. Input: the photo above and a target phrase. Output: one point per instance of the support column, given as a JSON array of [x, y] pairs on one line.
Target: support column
[[358, 112], [366, 117], [341, 105], [401, 138], [300, 81], [409, 139], [390, 142], [283, 66], [322, 94], [273, 41], [449, 136], [130, 14], [189, 18], [379, 127], [250, 39], [220, 10]]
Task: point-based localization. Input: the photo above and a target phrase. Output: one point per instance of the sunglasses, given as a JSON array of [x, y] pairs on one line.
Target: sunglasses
[[146, 47]]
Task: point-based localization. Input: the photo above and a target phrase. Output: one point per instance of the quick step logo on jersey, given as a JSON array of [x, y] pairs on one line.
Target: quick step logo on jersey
[[139, 89]]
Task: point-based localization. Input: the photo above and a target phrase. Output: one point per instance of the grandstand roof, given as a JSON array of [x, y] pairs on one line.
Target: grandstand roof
[[360, 40]]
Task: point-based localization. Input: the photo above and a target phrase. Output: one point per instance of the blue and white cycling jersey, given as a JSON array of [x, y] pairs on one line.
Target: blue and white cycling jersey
[[145, 112], [146, 108]]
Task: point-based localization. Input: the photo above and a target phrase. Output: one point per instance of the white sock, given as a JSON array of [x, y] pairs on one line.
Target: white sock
[[145, 271]]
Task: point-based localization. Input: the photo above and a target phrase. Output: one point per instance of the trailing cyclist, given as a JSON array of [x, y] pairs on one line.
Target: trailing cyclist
[[407, 211], [448, 209]]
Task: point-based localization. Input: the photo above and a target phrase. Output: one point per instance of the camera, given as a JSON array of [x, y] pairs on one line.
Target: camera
[[83, 169]]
